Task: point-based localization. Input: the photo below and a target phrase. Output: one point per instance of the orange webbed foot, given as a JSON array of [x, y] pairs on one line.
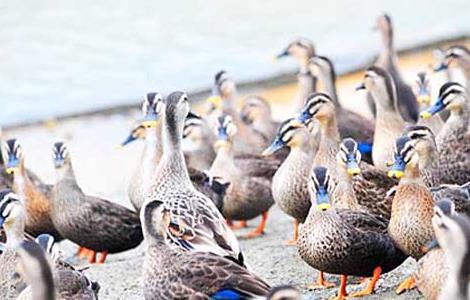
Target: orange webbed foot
[[260, 229], [408, 284], [371, 286], [342, 293], [321, 283]]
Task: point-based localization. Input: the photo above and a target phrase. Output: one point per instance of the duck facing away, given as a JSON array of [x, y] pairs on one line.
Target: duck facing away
[[91, 222], [350, 124], [343, 241], [289, 184], [453, 141], [171, 273], [388, 60], [247, 196], [195, 223], [389, 124], [37, 199]]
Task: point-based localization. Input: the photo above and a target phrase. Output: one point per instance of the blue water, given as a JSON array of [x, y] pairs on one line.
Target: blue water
[[61, 57]]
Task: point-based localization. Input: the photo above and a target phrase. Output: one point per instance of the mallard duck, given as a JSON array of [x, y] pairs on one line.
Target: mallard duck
[[222, 102], [344, 241], [289, 184], [432, 269], [302, 50], [423, 96], [247, 196], [350, 124], [195, 223], [461, 56], [453, 236], [371, 184], [94, 223], [198, 139], [389, 124], [37, 199], [149, 130], [453, 141], [256, 112], [12, 219], [170, 272], [388, 60]]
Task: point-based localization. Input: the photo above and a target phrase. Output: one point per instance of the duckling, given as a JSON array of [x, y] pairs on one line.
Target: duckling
[[256, 112], [289, 187], [423, 96], [389, 124], [302, 50], [170, 272], [37, 199], [12, 219], [344, 241], [461, 56], [284, 292], [453, 141], [453, 235], [350, 124], [94, 223], [388, 60], [247, 196], [195, 223], [432, 269], [198, 139], [369, 186], [248, 139]]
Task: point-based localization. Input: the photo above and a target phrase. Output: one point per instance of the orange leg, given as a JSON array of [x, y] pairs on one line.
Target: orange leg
[[92, 257], [342, 293], [260, 229], [103, 257], [321, 283], [241, 224], [371, 286], [296, 234], [81, 252], [408, 284]]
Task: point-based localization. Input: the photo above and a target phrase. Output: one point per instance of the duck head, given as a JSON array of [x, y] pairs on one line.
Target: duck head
[[422, 89], [452, 96], [320, 66], [13, 156], [291, 133], [151, 109], [301, 49], [423, 139], [225, 131], [349, 156], [60, 155], [320, 188], [459, 54], [137, 133], [405, 157], [380, 84], [319, 106], [11, 208], [254, 109]]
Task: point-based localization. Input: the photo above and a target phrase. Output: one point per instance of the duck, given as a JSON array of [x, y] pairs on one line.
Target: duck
[[170, 272], [150, 130], [94, 223], [453, 141], [37, 199], [248, 196], [389, 124], [256, 112], [12, 220], [423, 96], [302, 49], [388, 60], [284, 292], [369, 182], [453, 236], [333, 240], [6, 180], [460, 55], [350, 124], [198, 139], [195, 223], [289, 187], [223, 101], [432, 268]]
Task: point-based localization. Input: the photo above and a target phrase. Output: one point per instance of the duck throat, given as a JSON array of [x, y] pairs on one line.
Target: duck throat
[[328, 79], [329, 143], [21, 181], [15, 232]]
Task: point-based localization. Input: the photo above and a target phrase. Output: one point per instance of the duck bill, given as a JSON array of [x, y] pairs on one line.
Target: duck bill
[[2, 221], [437, 107], [423, 97], [12, 165], [277, 145], [215, 101], [353, 168], [431, 245], [128, 140], [398, 168], [304, 117], [360, 87], [59, 162], [285, 53], [323, 200], [441, 67], [150, 120]]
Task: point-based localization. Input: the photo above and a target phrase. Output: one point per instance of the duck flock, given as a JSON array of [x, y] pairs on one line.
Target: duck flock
[[363, 194]]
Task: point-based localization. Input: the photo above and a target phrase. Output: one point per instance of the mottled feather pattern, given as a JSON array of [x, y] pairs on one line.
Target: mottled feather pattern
[[431, 274]]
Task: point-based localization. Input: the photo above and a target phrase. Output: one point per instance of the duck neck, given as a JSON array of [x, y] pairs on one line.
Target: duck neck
[[15, 232], [66, 177], [456, 126], [153, 149], [305, 86], [429, 165], [388, 50], [328, 78], [411, 175], [21, 181], [43, 289], [224, 164], [346, 197], [329, 143]]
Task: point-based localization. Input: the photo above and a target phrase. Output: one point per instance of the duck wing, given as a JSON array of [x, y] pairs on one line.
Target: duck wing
[[257, 165]]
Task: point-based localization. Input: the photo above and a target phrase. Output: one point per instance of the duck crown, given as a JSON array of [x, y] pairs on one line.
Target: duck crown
[[47, 243], [315, 101], [417, 132], [13, 149], [444, 207], [60, 151], [152, 103], [348, 148], [450, 89], [7, 199], [321, 177], [457, 51]]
